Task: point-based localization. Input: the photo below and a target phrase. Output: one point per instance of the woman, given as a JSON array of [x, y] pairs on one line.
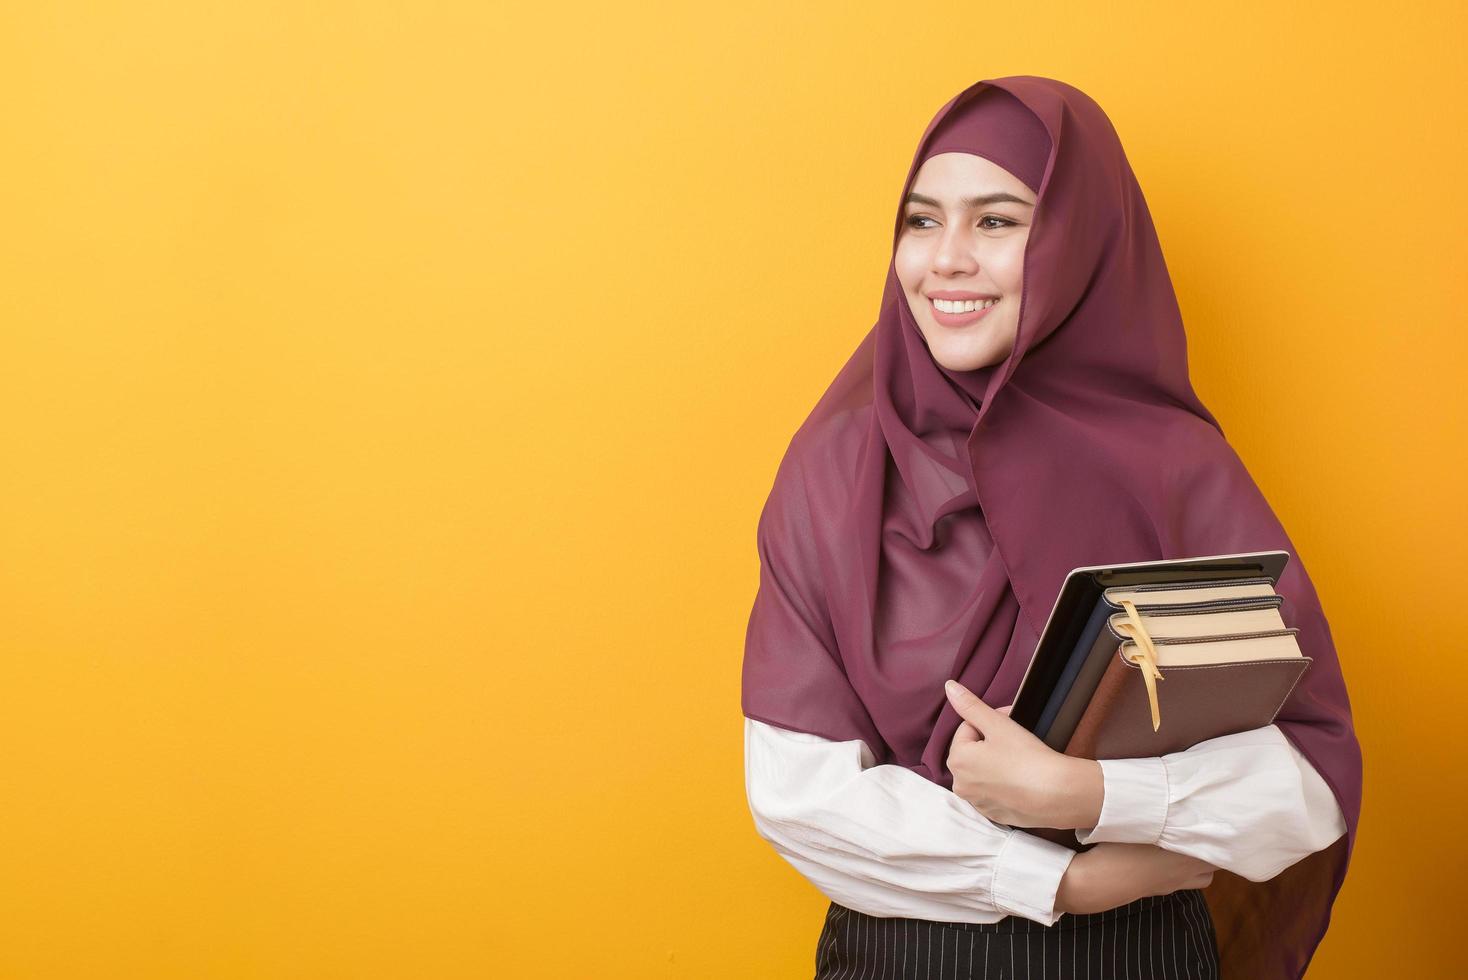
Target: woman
[[1022, 407]]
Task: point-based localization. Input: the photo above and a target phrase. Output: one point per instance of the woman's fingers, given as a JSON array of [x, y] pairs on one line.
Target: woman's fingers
[[963, 735]]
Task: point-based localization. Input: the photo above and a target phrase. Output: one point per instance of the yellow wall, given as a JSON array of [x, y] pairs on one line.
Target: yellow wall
[[389, 392]]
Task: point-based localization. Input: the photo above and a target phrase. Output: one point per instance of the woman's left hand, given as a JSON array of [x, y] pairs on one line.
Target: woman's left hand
[[1014, 778]]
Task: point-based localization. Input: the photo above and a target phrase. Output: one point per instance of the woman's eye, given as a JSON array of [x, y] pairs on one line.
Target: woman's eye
[[915, 221]]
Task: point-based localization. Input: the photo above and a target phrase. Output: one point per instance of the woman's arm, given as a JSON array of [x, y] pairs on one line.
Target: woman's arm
[[885, 841], [1250, 803]]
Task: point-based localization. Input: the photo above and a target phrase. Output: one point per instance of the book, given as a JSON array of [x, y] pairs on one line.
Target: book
[[1148, 658]]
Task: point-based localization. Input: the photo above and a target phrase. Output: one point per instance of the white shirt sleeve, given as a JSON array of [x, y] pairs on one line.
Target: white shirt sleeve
[[1250, 803], [885, 841]]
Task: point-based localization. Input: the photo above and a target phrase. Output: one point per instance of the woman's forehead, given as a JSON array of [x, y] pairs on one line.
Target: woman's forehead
[[957, 178]]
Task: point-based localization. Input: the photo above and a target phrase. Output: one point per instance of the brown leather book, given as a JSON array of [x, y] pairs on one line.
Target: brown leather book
[[1219, 663]]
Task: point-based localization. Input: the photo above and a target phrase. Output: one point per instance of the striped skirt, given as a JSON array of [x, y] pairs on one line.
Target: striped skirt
[[1158, 936]]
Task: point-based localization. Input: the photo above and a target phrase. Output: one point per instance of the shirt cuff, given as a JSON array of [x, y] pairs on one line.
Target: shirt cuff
[[1134, 804], [1027, 876]]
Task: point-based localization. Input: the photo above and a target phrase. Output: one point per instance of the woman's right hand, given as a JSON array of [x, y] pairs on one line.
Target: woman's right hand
[[1112, 874]]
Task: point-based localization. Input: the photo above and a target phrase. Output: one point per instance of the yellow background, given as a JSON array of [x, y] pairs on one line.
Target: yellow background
[[389, 392]]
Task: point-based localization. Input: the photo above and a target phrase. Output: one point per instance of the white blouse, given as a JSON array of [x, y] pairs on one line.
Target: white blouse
[[885, 841]]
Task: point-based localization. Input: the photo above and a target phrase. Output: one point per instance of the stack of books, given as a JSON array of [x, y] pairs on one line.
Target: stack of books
[[1148, 658]]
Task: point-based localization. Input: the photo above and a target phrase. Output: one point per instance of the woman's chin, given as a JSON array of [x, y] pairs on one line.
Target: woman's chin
[[964, 357]]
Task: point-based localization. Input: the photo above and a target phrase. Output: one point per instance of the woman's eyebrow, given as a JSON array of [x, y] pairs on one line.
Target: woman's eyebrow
[[978, 200]]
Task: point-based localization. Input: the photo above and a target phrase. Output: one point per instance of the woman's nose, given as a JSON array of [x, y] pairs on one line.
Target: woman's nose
[[955, 253]]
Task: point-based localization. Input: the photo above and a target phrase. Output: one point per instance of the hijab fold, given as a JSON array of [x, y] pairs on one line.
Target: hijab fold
[[922, 520]]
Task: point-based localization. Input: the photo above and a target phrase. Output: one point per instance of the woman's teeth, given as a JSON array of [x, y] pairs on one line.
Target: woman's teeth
[[963, 306]]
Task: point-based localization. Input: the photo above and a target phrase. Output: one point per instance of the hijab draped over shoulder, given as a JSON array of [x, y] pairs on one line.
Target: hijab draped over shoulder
[[922, 520]]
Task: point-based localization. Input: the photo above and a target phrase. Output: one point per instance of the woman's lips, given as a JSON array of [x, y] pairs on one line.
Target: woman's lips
[[958, 319]]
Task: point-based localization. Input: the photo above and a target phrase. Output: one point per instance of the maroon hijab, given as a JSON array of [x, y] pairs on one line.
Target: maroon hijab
[[922, 520]]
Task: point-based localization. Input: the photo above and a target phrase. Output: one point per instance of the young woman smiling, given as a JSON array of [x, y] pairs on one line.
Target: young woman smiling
[[1022, 407]]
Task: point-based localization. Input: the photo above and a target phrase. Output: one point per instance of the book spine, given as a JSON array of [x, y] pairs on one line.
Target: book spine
[[1084, 739]]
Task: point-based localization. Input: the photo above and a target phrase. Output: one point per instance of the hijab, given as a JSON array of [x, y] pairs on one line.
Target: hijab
[[922, 519]]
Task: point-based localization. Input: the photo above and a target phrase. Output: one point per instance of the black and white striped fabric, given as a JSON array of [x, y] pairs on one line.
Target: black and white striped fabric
[[1160, 936]]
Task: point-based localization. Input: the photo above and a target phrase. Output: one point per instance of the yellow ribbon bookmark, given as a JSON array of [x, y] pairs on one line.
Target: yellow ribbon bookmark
[[1145, 656]]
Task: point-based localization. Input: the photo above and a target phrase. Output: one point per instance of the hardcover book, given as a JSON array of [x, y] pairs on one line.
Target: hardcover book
[[1148, 658]]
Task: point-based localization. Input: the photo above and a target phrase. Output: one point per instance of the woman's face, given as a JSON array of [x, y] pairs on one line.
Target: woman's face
[[964, 228]]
